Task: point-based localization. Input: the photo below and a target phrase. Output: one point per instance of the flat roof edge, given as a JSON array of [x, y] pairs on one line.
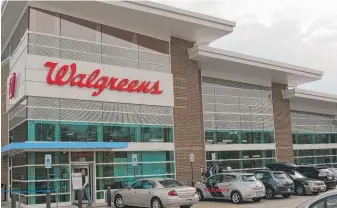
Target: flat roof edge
[[313, 95], [161, 9], [208, 51]]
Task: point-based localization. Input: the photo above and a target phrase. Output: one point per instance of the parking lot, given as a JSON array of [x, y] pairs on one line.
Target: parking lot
[[278, 202]]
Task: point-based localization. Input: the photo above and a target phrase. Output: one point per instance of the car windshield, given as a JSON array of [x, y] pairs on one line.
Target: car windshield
[[296, 175], [248, 178], [170, 183], [280, 176]]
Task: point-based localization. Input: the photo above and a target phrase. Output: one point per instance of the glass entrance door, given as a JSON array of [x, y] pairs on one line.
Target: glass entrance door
[[88, 172]]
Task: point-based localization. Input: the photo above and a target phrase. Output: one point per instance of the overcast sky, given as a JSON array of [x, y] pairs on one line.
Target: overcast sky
[[300, 32]]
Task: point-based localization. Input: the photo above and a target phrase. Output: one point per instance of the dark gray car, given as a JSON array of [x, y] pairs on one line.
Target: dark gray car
[[276, 183]]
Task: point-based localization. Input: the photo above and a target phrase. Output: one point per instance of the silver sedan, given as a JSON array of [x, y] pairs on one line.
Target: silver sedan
[[156, 193], [325, 200]]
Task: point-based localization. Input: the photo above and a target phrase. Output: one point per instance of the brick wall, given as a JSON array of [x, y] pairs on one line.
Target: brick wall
[[282, 122], [4, 122], [188, 117]]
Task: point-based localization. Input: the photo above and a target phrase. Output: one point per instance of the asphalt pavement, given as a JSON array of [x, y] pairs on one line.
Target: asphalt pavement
[[278, 202]]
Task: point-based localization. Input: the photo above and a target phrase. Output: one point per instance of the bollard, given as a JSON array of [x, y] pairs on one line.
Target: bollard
[[80, 198], [108, 196], [13, 200], [48, 199]]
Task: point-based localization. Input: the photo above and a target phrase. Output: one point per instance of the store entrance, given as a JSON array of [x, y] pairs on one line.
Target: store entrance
[[89, 173]]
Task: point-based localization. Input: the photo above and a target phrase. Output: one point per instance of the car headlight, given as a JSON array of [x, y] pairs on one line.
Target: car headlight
[[311, 184], [322, 174]]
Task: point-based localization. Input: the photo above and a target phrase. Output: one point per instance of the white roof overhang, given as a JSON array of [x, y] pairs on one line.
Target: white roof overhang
[[249, 66], [143, 17], [311, 101]]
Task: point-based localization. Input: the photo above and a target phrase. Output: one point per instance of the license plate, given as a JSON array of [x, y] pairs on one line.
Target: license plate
[[289, 189], [189, 201]]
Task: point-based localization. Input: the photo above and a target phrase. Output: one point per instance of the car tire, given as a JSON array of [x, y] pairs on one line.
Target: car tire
[[156, 203], [270, 193], [200, 195], [256, 199], [236, 197], [286, 195], [300, 190], [119, 202]]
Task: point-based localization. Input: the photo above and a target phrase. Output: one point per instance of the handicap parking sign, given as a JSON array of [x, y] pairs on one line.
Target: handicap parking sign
[[134, 159], [47, 161]]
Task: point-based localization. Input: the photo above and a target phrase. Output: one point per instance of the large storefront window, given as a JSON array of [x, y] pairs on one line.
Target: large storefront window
[[119, 134], [241, 159], [156, 134], [45, 132], [315, 156], [78, 132], [238, 137]]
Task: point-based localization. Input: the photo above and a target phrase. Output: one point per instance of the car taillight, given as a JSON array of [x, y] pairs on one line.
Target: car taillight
[[172, 193]]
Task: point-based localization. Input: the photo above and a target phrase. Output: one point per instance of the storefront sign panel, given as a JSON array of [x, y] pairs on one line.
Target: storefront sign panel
[[62, 78]]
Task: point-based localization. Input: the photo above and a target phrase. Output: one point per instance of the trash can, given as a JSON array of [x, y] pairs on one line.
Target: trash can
[[3, 192]]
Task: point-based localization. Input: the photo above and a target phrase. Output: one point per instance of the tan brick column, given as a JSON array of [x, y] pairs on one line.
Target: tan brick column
[[282, 122], [188, 115]]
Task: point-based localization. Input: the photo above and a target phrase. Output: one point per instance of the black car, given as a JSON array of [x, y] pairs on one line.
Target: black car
[[276, 183], [320, 173], [303, 184]]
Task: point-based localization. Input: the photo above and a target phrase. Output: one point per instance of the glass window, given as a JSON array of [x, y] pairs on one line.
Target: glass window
[[227, 155], [19, 173], [248, 178], [56, 172], [234, 164], [20, 159], [268, 137], [59, 186], [119, 134], [170, 183], [57, 157], [115, 36], [44, 21], [80, 29], [210, 136], [227, 137], [156, 134], [318, 204], [322, 138], [251, 137], [137, 185], [78, 133], [252, 154], [305, 153], [280, 175], [44, 132], [147, 185], [305, 138]]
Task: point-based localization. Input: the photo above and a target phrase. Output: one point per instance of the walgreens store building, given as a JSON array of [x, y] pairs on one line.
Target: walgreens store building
[[92, 87]]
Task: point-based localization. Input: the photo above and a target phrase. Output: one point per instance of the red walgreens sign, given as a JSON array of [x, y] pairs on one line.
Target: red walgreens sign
[[62, 77], [12, 86]]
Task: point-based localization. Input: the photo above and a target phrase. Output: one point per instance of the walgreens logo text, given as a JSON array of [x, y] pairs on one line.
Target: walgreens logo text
[[63, 77]]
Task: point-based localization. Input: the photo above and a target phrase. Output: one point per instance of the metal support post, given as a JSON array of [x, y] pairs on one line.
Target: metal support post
[[108, 196], [13, 204], [80, 198]]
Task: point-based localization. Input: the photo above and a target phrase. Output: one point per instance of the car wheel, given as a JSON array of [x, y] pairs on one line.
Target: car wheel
[[300, 190], [236, 197], [286, 195], [256, 199], [156, 203], [119, 202], [270, 194], [200, 195]]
